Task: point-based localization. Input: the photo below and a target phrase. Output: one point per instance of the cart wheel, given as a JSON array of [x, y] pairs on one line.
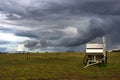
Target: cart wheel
[[104, 61], [85, 60]]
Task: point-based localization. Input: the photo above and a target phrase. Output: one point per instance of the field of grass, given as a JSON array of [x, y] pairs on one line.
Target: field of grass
[[54, 66]]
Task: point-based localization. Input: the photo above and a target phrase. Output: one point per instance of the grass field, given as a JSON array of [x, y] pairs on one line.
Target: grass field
[[50, 66]]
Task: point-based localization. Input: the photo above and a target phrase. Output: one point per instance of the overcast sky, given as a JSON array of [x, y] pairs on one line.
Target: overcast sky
[[58, 25]]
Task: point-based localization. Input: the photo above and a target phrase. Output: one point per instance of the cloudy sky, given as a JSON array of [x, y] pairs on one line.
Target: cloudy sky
[[58, 25]]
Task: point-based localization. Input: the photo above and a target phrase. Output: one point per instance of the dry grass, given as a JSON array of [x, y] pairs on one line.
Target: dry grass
[[45, 66]]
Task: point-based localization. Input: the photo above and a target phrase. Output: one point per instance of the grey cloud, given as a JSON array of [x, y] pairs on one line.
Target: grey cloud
[[26, 34], [114, 35], [103, 27], [30, 44], [102, 7], [39, 9], [3, 49], [4, 42], [5, 29]]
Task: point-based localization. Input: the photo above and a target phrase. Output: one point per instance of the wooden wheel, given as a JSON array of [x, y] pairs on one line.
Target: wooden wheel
[[85, 59]]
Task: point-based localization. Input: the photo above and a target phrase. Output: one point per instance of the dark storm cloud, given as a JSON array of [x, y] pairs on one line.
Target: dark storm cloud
[[114, 35], [82, 37], [38, 9], [30, 44], [64, 23], [102, 7]]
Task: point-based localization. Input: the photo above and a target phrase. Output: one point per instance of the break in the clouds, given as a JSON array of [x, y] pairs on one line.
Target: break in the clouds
[[59, 24]]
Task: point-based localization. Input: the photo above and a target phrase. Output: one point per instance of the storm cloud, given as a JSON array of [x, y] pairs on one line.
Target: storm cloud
[[61, 23]]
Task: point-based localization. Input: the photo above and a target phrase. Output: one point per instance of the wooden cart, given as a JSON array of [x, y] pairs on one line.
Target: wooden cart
[[95, 54]]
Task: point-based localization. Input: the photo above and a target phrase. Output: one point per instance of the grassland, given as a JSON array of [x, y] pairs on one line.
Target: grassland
[[54, 66]]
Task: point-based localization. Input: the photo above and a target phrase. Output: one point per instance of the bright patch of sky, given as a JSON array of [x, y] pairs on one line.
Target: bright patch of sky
[[12, 38]]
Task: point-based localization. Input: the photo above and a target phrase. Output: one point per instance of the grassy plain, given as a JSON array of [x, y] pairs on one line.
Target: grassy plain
[[56, 66]]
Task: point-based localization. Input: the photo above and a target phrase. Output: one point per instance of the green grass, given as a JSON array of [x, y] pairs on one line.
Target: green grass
[[45, 66]]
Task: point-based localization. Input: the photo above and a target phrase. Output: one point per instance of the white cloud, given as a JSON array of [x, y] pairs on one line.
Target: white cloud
[[70, 31], [3, 16], [16, 16], [11, 37]]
